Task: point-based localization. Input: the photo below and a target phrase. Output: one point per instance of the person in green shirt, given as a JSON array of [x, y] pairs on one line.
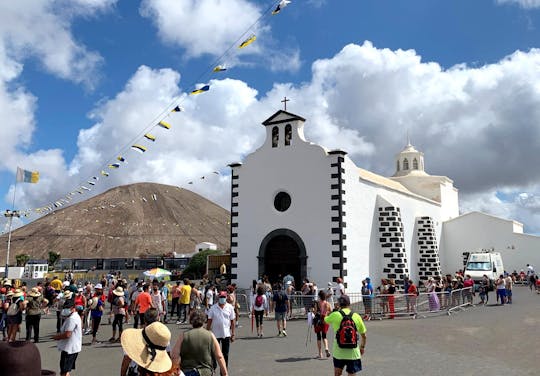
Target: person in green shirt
[[350, 359]]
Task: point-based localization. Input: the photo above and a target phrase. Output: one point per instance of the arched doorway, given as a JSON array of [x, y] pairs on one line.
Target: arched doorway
[[282, 252]]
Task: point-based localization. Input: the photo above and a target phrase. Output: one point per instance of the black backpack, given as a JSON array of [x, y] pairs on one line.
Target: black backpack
[[347, 335]]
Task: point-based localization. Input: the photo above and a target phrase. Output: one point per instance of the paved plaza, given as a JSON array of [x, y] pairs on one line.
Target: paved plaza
[[483, 340]]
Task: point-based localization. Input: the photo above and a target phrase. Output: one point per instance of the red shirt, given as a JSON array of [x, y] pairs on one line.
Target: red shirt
[[143, 301]]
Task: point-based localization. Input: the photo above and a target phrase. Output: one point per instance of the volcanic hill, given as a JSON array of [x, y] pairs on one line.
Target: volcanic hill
[[126, 221]]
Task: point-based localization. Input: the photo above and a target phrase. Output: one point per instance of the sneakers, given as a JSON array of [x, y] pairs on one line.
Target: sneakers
[[284, 333], [327, 353], [280, 334]]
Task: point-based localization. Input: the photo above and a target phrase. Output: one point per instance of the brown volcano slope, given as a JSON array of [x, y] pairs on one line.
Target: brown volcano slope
[[127, 221]]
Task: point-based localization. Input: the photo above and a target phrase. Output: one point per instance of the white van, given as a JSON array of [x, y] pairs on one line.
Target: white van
[[488, 263]]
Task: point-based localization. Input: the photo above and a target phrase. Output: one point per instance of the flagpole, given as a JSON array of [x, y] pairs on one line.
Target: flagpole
[[11, 214]]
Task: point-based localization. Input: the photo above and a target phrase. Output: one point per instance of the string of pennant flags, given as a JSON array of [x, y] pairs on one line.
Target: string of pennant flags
[[143, 141]]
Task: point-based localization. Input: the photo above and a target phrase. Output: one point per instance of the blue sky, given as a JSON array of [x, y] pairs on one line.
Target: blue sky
[[81, 79]]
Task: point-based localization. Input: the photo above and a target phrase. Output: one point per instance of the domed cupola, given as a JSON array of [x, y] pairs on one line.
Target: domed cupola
[[409, 161]]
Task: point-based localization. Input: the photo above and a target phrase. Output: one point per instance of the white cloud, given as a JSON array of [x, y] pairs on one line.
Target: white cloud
[[202, 26], [42, 30], [479, 126], [216, 27], [527, 4]]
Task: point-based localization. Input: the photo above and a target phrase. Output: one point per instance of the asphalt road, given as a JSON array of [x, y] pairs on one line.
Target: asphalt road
[[483, 340]]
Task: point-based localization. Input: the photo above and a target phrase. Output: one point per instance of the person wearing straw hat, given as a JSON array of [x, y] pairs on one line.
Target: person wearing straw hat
[[34, 305], [119, 311], [148, 348], [70, 337], [14, 314]]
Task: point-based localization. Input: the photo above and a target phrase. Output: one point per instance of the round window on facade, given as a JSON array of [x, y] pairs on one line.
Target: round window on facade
[[282, 201]]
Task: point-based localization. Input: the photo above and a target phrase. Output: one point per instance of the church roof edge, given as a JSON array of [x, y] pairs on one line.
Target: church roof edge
[[270, 120], [391, 184], [477, 212]]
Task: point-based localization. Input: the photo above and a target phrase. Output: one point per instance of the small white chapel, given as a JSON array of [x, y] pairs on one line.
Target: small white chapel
[[298, 208]]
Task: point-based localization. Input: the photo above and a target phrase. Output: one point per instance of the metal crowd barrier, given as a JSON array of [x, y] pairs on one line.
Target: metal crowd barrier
[[379, 307]]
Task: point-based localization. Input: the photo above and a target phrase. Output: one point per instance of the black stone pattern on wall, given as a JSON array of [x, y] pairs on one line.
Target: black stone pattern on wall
[[234, 222], [337, 201], [392, 243], [429, 264]]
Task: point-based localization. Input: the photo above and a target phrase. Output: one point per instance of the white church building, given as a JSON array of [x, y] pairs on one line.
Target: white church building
[[298, 208]]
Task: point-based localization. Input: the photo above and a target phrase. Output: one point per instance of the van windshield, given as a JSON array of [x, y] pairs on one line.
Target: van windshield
[[481, 266]]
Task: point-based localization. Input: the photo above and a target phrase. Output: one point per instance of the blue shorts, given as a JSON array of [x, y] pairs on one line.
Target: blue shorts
[[351, 366], [279, 316]]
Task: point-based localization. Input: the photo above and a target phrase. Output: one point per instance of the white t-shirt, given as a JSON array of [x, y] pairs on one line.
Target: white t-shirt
[[210, 297], [72, 344], [221, 319], [157, 299], [340, 289]]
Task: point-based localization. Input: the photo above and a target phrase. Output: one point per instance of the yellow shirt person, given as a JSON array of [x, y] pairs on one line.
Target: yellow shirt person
[[185, 292]]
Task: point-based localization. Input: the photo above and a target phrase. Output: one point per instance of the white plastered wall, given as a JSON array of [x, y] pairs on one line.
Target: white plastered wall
[[303, 171], [475, 230]]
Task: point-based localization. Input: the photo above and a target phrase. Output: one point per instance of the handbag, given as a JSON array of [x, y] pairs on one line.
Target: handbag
[[191, 372]]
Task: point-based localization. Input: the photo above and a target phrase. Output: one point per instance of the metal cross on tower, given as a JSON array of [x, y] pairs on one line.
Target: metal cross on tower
[[284, 101]]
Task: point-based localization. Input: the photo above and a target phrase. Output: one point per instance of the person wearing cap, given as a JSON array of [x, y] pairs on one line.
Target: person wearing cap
[[34, 309], [197, 349], [330, 294], [347, 358], [367, 297], [221, 319], [148, 348], [70, 338], [14, 313], [96, 310]]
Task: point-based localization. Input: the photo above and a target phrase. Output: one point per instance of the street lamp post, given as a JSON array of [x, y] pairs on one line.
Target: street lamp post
[[9, 214]]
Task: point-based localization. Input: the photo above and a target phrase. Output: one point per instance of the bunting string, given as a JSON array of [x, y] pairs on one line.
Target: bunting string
[[141, 142]]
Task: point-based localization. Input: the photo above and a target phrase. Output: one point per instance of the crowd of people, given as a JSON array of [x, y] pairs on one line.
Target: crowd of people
[[212, 312]]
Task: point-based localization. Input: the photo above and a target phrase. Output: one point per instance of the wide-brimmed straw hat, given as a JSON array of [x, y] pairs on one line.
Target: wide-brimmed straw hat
[[34, 292], [68, 295], [18, 293], [119, 291], [147, 347], [92, 303]]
